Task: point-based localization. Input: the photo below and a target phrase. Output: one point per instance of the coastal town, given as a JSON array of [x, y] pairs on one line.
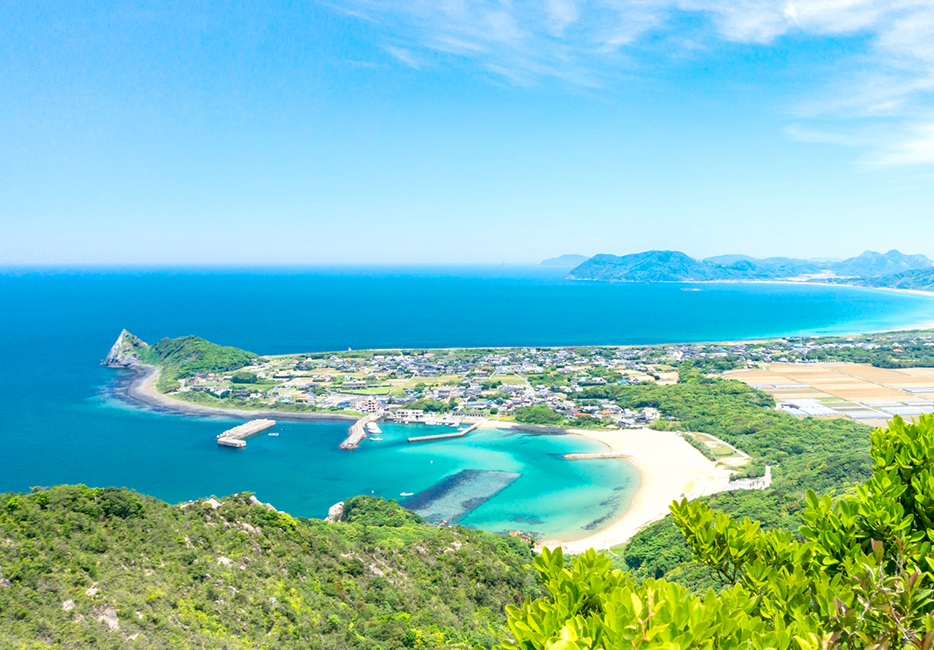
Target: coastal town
[[455, 386]]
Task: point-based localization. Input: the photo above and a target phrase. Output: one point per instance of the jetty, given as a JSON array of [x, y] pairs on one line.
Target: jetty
[[357, 431], [235, 437], [446, 436], [608, 454]]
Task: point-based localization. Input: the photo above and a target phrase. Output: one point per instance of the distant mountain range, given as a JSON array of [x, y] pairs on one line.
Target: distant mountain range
[[869, 269], [918, 280], [565, 260]]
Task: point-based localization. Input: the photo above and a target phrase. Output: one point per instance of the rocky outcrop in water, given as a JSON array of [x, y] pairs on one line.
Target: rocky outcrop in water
[[335, 512], [125, 353]]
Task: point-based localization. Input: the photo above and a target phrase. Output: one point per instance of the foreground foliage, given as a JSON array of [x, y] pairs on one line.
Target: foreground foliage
[[859, 578], [236, 575]]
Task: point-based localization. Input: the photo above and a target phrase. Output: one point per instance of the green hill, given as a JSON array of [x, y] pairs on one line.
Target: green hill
[[177, 358], [94, 568]]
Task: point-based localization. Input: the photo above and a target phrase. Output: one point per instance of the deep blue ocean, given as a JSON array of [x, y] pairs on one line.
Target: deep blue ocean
[[61, 423]]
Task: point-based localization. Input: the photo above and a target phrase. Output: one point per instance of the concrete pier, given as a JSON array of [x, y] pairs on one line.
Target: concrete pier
[[446, 436], [235, 437], [357, 431], [608, 454]]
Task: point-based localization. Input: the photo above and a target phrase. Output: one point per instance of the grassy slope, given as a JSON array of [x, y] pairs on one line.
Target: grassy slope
[[380, 580]]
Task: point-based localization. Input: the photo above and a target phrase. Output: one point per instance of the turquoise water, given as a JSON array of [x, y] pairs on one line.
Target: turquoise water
[[61, 425]]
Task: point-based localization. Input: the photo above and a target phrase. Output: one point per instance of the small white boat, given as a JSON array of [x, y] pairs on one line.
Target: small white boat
[[376, 439], [274, 434], [406, 494]]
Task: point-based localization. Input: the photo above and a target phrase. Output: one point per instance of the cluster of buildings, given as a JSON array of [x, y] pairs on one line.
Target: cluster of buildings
[[474, 383]]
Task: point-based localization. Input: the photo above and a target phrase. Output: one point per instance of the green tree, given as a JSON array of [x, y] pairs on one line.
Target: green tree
[[538, 414], [859, 577]]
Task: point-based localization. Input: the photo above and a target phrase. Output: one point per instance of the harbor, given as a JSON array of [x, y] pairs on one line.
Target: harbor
[[235, 437]]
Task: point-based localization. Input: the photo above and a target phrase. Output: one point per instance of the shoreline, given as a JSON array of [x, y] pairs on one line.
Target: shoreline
[[669, 469], [142, 389], [811, 282]]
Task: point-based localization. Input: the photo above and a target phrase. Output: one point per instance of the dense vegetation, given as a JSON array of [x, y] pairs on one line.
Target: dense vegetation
[[188, 356], [810, 453], [236, 575], [884, 352], [431, 405], [858, 577], [543, 415]]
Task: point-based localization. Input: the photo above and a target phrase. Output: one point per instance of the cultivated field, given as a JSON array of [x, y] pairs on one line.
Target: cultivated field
[[859, 391]]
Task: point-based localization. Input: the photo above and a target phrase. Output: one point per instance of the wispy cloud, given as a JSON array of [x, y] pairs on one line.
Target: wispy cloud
[[915, 148], [404, 55], [586, 43]]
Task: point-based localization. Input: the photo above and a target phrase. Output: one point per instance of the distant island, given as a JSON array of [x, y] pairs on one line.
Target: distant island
[[565, 260], [893, 269]]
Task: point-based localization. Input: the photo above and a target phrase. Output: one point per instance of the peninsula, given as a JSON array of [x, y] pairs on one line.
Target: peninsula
[[679, 413], [539, 386]]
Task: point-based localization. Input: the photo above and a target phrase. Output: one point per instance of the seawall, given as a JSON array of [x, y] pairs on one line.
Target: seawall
[[446, 436], [357, 431], [235, 437]]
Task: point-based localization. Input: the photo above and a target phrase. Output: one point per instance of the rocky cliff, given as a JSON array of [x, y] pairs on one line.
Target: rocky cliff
[[125, 353]]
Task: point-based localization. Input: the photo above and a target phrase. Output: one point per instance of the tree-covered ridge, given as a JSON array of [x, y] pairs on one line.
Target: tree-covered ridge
[[230, 574], [190, 355], [178, 358], [858, 578]]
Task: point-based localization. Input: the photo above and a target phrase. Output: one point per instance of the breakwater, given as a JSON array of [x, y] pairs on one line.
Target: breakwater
[[445, 436], [607, 454], [357, 431], [235, 437]]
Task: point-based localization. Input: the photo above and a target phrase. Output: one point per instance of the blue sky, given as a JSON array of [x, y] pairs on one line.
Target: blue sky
[[462, 131]]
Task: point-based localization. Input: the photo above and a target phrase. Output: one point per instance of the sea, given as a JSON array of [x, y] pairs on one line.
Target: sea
[[63, 420]]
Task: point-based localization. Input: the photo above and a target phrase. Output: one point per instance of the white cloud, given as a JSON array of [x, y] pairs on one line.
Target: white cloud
[[404, 56], [915, 148], [561, 14], [587, 43]]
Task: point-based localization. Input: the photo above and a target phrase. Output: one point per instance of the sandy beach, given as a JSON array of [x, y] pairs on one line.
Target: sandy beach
[[143, 389], [669, 466]]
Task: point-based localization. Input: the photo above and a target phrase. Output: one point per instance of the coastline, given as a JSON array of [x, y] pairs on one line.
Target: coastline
[[669, 469], [142, 389], [812, 283]]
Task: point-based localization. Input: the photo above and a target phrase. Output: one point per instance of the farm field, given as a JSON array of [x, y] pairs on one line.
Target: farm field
[[859, 391]]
